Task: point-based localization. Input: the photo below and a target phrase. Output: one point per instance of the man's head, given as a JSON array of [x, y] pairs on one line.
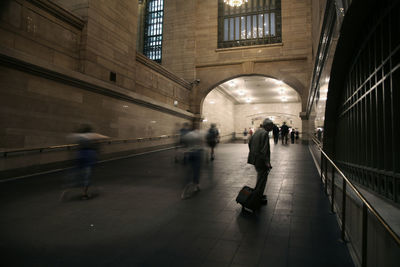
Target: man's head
[[267, 125]]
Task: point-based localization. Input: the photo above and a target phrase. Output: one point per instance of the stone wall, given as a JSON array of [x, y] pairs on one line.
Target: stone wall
[[252, 115], [179, 40], [29, 28], [289, 61], [36, 111], [219, 109]]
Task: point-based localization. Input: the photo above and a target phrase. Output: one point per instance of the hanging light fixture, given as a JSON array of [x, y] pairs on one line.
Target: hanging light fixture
[[235, 3]]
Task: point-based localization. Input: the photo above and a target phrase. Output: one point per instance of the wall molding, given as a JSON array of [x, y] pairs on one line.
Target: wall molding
[[59, 12], [239, 62], [20, 61], [161, 70]]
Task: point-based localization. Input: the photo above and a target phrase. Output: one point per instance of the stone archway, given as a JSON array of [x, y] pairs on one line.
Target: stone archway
[[201, 90]]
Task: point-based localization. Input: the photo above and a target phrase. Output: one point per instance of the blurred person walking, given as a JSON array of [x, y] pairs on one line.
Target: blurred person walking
[[292, 135], [284, 132], [275, 131], [194, 140], [212, 139], [88, 144], [181, 146], [245, 132]]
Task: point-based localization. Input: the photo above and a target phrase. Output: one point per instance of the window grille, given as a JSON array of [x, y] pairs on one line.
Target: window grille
[[368, 129], [256, 22], [152, 47]]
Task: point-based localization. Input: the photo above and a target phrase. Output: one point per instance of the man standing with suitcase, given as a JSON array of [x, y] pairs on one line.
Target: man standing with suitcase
[[259, 156]]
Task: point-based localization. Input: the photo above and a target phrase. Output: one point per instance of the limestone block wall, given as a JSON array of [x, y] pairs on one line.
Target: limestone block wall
[[28, 27], [290, 60], [179, 37], [252, 115], [36, 112], [109, 41], [158, 83], [219, 109]]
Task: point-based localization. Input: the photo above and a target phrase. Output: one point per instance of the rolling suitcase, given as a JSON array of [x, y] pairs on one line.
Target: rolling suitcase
[[249, 199]]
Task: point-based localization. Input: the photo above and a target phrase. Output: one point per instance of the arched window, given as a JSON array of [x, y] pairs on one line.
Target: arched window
[[152, 47], [255, 22]]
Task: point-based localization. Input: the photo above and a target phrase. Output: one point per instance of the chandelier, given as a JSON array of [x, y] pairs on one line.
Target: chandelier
[[235, 3]]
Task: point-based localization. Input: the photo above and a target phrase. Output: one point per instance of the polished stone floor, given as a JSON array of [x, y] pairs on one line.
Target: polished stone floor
[[136, 216]]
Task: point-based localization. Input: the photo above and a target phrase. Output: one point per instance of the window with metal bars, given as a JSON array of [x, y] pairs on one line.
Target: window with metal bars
[[153, 33], [367, 142], [256, 22]]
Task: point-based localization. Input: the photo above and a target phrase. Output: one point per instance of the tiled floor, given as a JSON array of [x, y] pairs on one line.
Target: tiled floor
[[136, 217]]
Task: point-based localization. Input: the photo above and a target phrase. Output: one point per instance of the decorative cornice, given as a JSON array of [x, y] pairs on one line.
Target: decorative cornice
[[84, 82], [228, 49], [59, 13], [160, 69], [239, 62]]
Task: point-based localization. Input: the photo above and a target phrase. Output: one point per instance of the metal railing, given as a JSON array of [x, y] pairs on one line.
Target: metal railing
[[366, 206], [8, 152]]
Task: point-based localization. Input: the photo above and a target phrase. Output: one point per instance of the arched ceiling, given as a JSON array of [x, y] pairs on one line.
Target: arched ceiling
[[258, 89]]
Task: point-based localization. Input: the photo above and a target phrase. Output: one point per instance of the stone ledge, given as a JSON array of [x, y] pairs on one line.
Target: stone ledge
[[24, 62], [59, 13], [160, 69], [239, 62]]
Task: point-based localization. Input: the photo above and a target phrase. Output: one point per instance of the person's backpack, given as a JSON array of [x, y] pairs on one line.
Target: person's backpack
[[212, 135]]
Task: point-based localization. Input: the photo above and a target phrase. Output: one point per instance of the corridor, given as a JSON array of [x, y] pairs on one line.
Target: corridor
[[137, 218]]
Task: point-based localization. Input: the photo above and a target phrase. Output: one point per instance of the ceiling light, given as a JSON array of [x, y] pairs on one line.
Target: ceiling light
[[235, 3], [278, 82], [212, 102], [241, 92], [284, 98], [248, 100]]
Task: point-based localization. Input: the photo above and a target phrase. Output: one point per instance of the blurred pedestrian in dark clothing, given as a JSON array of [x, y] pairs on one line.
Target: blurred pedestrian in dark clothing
[[181, 147], [292, 134], [88, 145], [297, 135], [275, 132], [284, 133], [319, 134], [212, 138], [245, 132]]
